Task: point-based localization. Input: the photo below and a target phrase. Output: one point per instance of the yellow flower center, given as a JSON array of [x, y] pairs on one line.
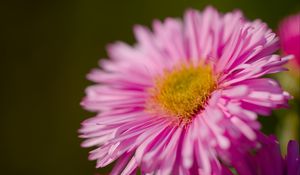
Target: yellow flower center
[[183, 91]]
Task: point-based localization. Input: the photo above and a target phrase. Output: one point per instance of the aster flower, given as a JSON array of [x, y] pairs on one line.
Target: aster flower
[[184, 93], [267, 159], [289, 33]]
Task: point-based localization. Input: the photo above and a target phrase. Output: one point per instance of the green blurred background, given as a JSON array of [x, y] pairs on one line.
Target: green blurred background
[[47, 47]]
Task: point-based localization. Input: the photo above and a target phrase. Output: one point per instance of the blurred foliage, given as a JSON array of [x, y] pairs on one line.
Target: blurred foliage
[[47, 47]]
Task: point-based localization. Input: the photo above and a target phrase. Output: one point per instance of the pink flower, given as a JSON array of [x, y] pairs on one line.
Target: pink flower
[[186, 92], [289, 33], [267, 159]]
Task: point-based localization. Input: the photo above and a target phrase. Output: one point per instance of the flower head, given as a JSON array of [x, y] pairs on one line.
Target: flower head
[[185, 92], [289, 33]]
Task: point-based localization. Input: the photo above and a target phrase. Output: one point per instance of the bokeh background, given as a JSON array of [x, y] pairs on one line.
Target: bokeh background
[[46, 49]]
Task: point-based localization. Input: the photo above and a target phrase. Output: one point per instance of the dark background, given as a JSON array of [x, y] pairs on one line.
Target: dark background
[[47, 47]]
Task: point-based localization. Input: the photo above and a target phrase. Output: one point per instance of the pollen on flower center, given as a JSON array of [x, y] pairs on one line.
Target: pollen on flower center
[[183, 91]]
